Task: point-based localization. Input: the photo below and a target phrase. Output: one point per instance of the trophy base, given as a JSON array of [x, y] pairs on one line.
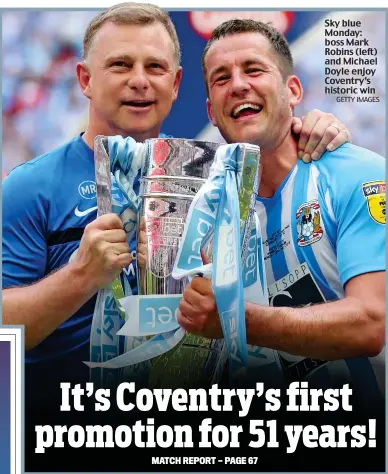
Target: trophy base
[[196, 362]]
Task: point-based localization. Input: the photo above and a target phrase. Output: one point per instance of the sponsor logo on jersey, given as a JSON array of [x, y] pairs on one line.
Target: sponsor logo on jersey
[[374, 193], [308, 223], [296, 289], [87, 189]]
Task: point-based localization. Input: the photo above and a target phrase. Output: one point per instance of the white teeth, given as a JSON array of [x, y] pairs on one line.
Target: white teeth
[[241, 107]]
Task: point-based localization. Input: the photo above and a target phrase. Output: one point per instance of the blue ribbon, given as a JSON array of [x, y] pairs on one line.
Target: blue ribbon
[[227, 281], [215, 212], [127, 159]]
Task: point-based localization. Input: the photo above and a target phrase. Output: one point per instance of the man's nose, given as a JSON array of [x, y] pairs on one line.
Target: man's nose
[[239, 84], [138, 78]]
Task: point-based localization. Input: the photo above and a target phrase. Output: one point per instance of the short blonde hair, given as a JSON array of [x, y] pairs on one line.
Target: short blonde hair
[[132, 14]]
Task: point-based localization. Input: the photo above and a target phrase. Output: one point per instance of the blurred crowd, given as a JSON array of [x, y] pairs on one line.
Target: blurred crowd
[[43, 106], [42, 103]]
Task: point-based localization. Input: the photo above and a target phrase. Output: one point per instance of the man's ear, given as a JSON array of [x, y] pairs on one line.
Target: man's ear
[[210, 112], [83, 76], [295, 90], [177, 82]]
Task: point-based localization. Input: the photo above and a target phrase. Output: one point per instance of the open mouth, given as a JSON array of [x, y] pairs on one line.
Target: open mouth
[[246, 110], [140, 104]]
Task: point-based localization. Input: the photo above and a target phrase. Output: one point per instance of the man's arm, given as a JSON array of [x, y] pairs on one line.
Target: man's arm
[[351, 327], [43, 306]]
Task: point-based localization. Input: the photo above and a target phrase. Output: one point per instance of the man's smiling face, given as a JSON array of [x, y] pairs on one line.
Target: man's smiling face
[[249, 100], [133, 79]]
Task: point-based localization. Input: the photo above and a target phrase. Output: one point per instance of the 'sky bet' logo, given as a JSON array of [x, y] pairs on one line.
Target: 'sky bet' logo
[[374, 192]]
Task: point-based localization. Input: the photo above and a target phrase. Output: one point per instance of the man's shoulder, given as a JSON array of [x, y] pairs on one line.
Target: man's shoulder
[[40, 165], [349, 151], [350, 161]]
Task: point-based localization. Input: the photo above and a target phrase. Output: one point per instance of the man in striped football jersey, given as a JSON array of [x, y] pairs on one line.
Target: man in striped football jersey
[[322, 224]]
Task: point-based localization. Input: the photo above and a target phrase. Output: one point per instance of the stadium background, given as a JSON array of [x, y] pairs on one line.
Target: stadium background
[[43, 106]]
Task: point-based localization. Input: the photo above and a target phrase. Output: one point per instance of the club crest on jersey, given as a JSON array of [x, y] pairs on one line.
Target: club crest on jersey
[[308, 223], [374, 193]]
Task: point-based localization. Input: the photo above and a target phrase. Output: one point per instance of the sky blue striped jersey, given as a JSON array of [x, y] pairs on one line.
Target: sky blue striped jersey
[[324, 226]]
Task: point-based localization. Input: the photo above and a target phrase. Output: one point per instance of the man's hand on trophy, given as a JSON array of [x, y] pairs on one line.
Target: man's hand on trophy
[[103, 251], [198, 311], [141, 251], [318, 132]]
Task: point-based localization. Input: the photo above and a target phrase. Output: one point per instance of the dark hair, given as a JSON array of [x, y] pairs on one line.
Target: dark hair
[[276, 39]]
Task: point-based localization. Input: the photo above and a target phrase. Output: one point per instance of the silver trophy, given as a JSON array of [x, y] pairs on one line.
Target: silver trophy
[[174, 171]]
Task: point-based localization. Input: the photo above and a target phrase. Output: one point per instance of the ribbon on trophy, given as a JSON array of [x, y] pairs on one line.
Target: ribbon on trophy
[[237, 269], [126, 159], [215, 212], [115, 179]]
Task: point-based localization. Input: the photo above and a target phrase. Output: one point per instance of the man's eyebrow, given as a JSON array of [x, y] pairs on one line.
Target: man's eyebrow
[[128, 58], [156, 59], [118, 57], [252, 62], [218, 70], [247, 63]]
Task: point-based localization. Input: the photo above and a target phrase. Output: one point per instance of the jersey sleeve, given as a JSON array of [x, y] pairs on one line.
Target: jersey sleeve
[[24, 209], [357, 190]]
